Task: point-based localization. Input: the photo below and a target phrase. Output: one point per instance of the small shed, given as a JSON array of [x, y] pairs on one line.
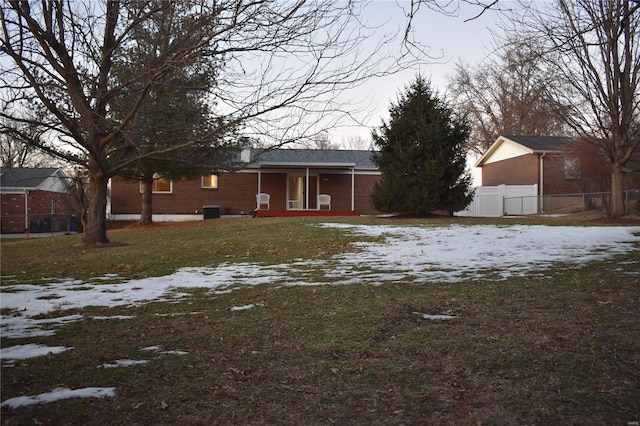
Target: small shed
[[34, 200]]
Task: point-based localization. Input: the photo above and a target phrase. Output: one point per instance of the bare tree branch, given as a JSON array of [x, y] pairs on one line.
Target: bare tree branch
[[280, 69], [594, 47]]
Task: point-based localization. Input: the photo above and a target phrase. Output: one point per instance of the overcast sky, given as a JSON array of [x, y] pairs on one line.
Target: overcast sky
[[449, 38]]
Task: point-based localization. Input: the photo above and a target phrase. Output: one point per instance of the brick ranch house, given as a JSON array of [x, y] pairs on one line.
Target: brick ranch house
[[34, 200], [293, 179], [558, 165]]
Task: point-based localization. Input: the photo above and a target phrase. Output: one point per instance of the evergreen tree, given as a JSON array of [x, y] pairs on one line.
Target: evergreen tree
[[421, 153], [173, 114]]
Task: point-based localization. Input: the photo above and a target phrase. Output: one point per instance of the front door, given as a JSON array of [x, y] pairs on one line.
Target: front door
[[297, 192]]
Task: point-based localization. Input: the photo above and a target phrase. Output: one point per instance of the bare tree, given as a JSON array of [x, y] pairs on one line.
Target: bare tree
[[357, 142], [17, 148], [319, 141], [449, 8], [594, 47], [14, 154], [282, 66], [507, 94]]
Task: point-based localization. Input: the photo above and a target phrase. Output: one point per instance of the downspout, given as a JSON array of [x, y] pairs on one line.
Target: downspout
[[353, 188], [259, 180], [26, 211], [542, 181]]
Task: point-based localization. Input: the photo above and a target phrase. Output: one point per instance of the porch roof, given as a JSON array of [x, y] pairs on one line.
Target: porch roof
[[305, 165], [313, 158]]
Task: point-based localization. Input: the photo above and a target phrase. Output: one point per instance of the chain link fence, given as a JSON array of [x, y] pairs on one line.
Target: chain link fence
[[593, 202]]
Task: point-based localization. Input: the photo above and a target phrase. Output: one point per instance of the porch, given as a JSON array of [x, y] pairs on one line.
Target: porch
[[305, 213], [302, 190]]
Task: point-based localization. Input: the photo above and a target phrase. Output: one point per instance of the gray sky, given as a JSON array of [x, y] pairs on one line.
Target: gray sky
[[448, 38]]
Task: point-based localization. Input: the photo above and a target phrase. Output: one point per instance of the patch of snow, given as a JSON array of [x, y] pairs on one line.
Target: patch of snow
[[17, 327], [177, 314], [242, 308], [57, 395], [245, 307], [435, 317], [114, 317], [449, 254], [124, 363], [30, 350], [417, 254], [159, 350], [151, 348]]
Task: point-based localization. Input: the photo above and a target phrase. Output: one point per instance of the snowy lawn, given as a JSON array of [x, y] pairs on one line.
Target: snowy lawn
[[457, 257]]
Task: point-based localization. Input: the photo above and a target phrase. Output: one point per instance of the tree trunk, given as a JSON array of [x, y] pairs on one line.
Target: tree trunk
[[616, 208], [95, 231], [146, 214]]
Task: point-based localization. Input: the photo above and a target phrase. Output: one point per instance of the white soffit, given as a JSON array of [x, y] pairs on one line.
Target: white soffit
[[506, 150]]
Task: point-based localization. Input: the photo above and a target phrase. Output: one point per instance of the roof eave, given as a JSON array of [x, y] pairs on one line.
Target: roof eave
[[501, 139], [310, 165]]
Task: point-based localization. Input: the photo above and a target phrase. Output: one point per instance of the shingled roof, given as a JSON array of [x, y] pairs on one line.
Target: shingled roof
[[314, 158], [528, 144], [32, 178], [541, 143]]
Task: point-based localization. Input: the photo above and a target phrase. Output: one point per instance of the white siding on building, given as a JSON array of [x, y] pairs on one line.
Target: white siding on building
[[507, 150]]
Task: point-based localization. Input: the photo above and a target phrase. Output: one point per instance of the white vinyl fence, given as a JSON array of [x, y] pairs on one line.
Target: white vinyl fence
[[503, 200]]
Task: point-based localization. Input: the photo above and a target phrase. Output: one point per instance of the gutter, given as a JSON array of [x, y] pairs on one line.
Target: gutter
[[306, 165]]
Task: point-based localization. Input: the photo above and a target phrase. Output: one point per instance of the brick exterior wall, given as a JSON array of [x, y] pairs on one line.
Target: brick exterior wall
[[522, 170], [555, 181], [39, 202], [525, 170], [236, 193]]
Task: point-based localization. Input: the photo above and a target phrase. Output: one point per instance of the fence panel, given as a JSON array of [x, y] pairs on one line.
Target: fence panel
[[505, 200], [497, 201], [520, 199], [586, 202], [487, 202]]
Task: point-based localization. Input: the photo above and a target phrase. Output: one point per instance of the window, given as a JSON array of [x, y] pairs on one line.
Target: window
[[571, 168], [160, 185], [210, 181]]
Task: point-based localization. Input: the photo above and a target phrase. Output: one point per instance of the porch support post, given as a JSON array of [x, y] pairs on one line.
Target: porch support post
[[353, 188], [306, 190], [259, 180]]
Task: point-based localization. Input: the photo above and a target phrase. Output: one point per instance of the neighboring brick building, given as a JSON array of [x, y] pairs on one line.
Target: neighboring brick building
[[557, 165], [34, 200], [292, 177]]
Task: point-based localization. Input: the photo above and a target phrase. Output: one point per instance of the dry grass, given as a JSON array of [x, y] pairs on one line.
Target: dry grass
[[559, 349]]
